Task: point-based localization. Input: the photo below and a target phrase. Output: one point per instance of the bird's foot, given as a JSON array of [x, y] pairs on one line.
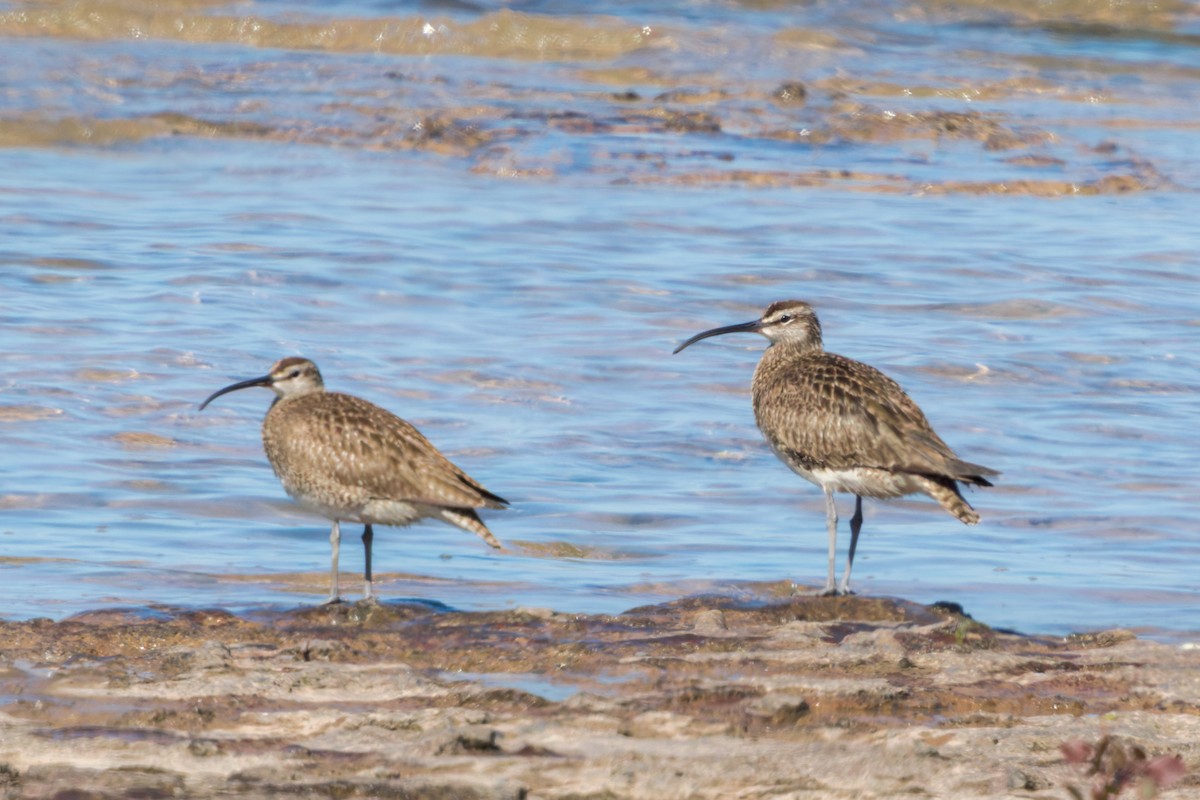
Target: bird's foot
[[805, 591], [331, 601], [369, 600]]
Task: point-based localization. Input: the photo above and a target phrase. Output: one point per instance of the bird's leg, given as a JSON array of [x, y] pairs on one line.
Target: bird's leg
[[335, 541], [855, 527], [831, 520], [367, 538]]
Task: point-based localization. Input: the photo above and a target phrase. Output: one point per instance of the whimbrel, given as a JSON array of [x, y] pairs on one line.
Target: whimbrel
[[351, 461], [846, 426]]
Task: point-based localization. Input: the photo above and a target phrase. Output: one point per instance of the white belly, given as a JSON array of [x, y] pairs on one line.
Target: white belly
[[373, 512], [862, 481]]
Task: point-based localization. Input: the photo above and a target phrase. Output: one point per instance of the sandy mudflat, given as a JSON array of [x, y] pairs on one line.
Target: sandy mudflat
[[708, 697]]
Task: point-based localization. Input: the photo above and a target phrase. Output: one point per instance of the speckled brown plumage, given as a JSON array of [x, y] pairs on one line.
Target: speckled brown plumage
[[846, 426], [821, 411], [350, 460]]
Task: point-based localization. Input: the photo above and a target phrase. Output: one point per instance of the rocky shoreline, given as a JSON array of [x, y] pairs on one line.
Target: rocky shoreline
[[706, 697]]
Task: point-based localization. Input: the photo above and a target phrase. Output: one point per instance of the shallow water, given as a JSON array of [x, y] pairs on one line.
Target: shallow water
[[499, 224]]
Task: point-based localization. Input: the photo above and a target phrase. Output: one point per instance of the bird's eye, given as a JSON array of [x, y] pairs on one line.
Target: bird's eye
[[294, 373], [785, 319]]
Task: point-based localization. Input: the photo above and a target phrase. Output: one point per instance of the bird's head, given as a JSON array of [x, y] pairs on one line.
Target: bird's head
[[791, 321], [290, 377]]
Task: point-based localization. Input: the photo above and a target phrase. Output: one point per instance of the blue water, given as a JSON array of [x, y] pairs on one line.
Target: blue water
[[524, 321]]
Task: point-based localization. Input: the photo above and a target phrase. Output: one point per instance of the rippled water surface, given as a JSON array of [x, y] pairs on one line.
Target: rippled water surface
[[498, 222]]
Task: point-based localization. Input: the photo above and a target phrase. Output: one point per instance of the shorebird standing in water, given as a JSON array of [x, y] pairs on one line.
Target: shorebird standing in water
[[846, 426], [350, 460]]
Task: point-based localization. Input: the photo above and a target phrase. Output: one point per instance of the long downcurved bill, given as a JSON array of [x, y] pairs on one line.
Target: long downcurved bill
[[743, 327], [265, 380]]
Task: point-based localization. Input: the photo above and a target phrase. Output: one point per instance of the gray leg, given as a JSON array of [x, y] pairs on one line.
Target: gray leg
[[335, 543], [855, 527], [367, 538], [831, 521]]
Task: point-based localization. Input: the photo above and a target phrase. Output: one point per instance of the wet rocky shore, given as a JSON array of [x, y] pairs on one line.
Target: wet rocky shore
[[708, 697]]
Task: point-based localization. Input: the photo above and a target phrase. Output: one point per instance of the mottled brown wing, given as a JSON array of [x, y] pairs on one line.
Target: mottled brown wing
[[369, 447], [842, 413]]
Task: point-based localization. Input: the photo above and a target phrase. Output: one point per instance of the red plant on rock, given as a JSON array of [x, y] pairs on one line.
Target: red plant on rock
[[1114, 765]]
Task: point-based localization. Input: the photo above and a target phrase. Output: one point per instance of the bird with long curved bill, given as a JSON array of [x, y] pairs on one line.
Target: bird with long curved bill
[[846, 426], [351, 461]]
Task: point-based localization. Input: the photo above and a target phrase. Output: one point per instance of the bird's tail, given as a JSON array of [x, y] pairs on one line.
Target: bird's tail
[[945, 491], [468, 520], [967, 472]]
